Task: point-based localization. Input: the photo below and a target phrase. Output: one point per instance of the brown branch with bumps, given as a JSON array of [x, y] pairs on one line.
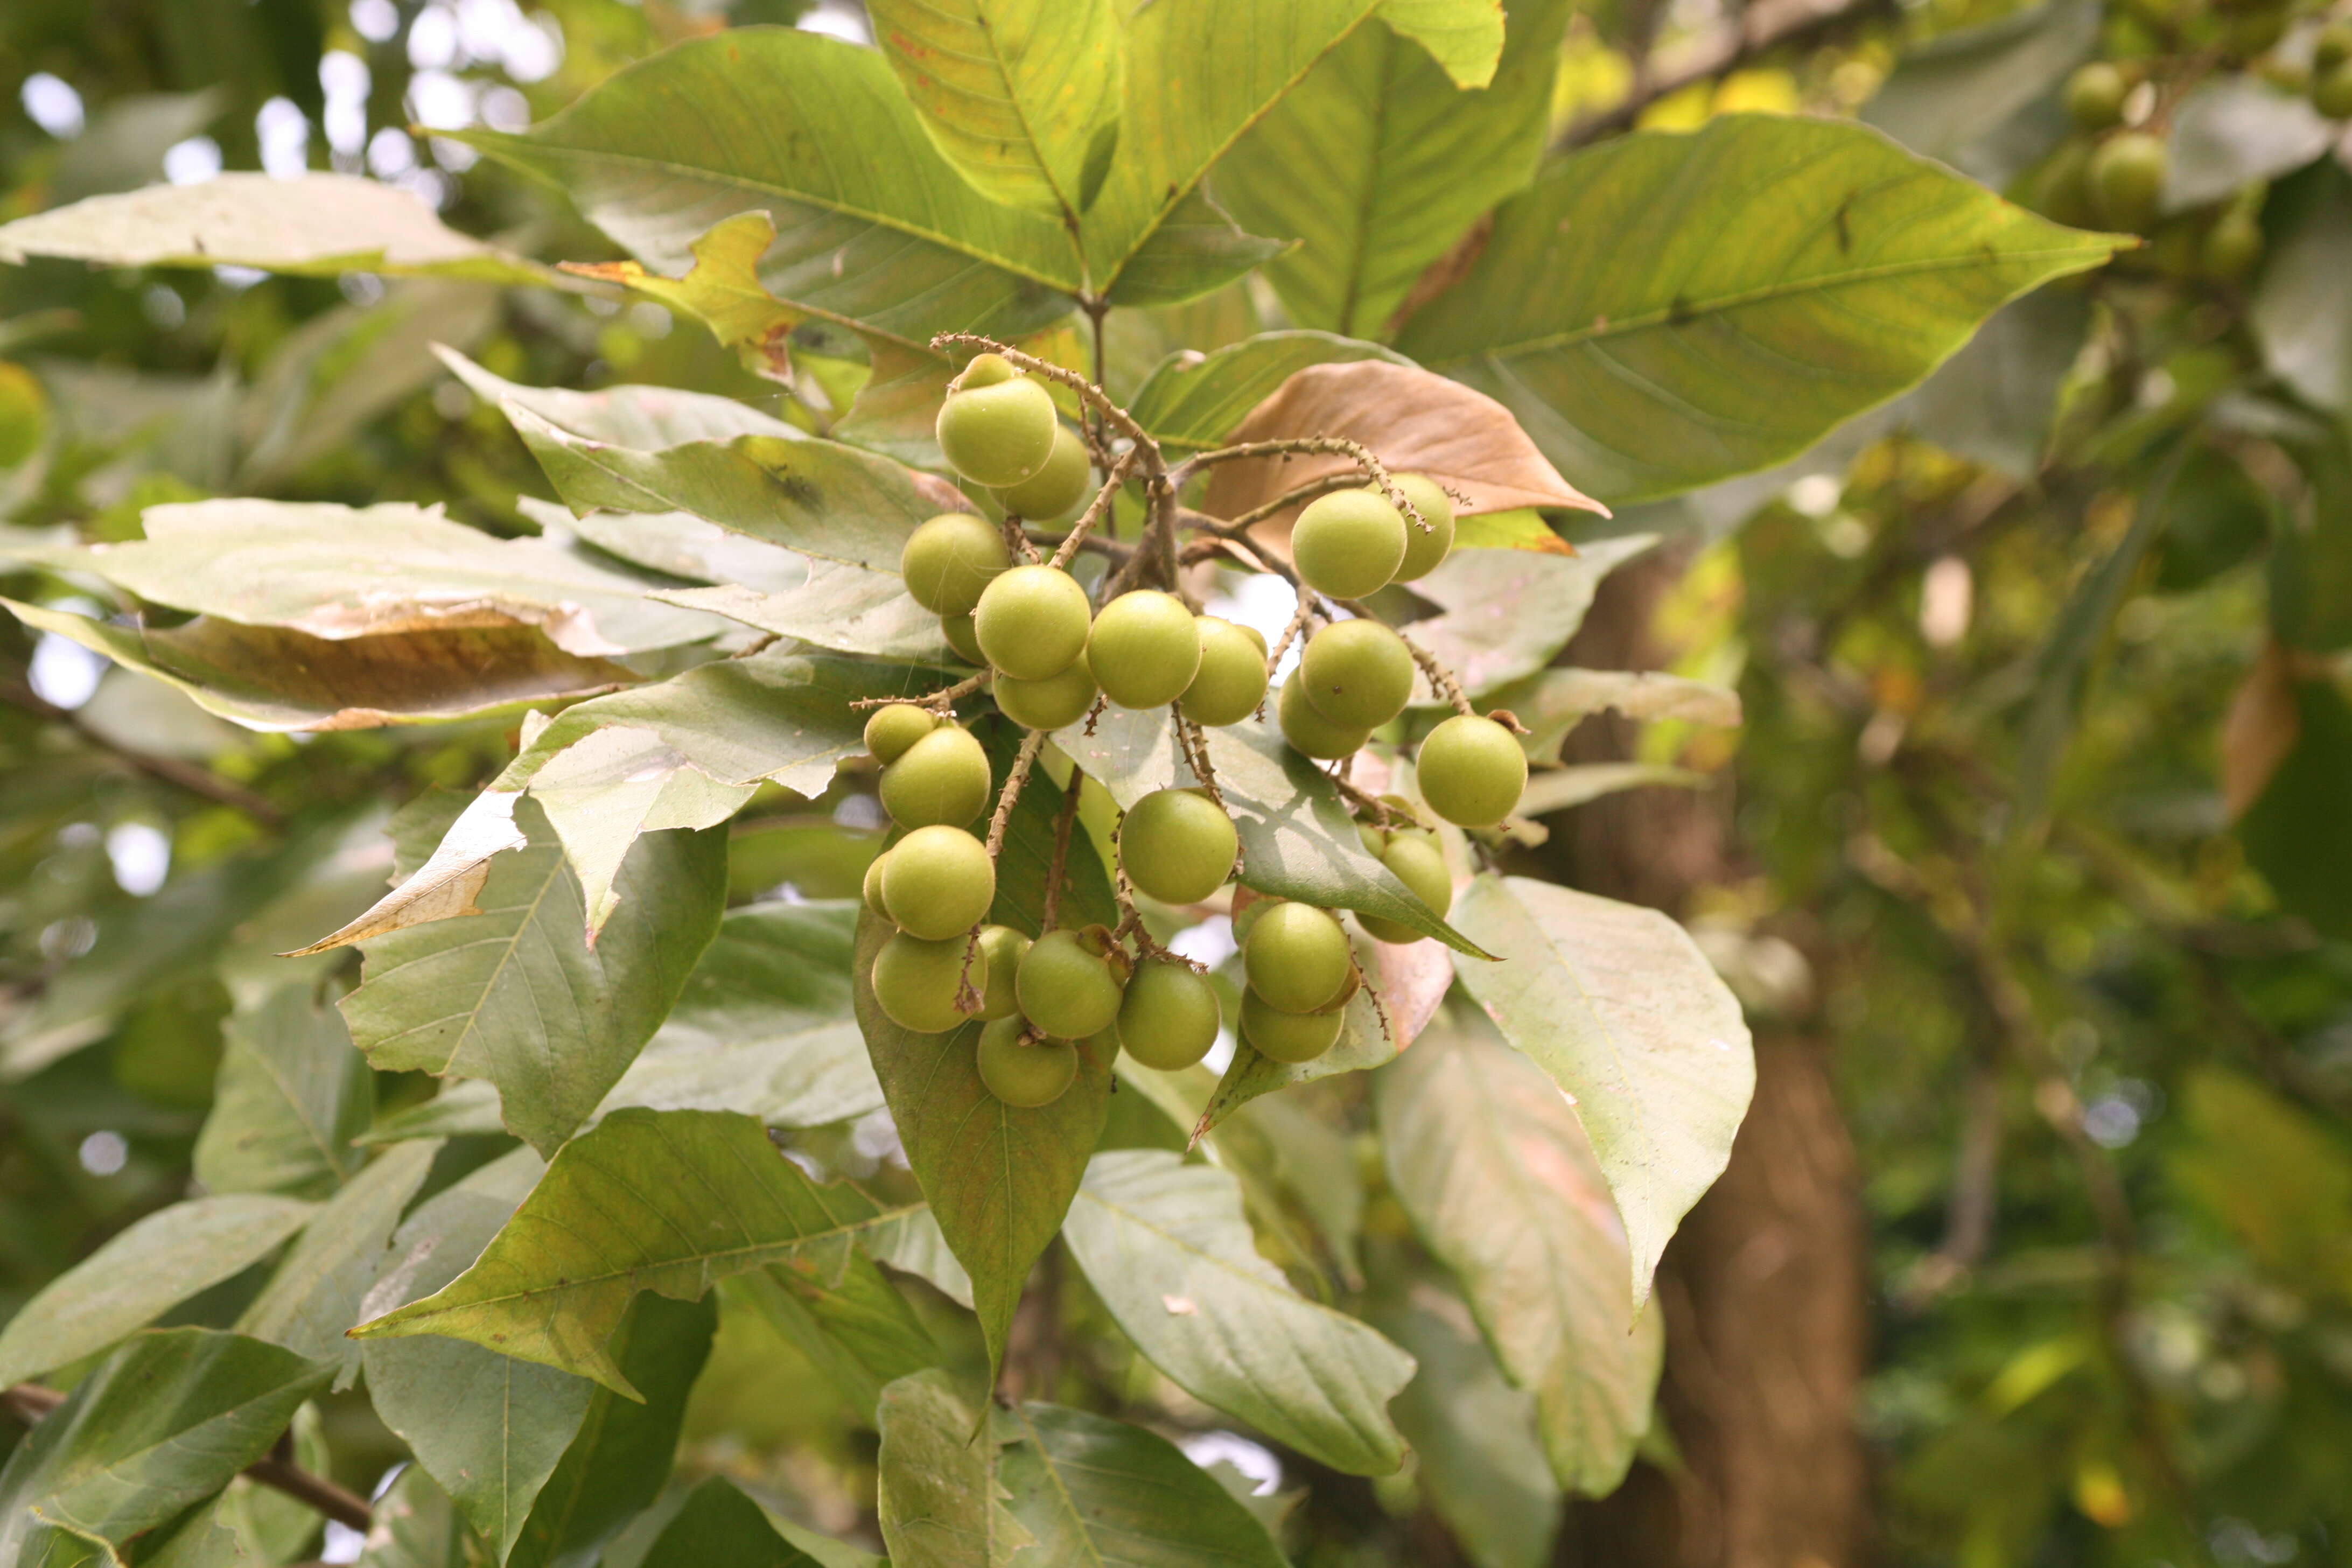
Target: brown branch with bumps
[[943, 700]]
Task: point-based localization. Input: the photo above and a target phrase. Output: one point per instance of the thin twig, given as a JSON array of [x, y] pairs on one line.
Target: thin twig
[[1761, 27], [1440, 677], [1297, 623], [1306, 445], [943, 700], [1087, 390], [188, 775], [1016, 541], [1055, 867], [1329, 484], [1026, 759], [30, 1401], [1195, 741], [1096, 511]]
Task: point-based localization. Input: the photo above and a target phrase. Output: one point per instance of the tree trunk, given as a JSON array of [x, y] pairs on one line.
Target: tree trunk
[[1765, 1287]]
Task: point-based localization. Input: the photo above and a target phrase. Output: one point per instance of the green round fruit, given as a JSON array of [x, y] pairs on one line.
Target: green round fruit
[[915, 982], [963, 638], [986, 369], [949, 560], [2331, 91], [1176, 845], [872, 888], [1348, 544], [2127, 175], [2331, 48], [996, 969], [1067, 986], [2231, 248], [1053, 491], [939, 883], [1289, 1036], [1296, 957], [1419, 865], [2061, 189], [1000, 434], [1424, 547], [1309, 731], [1033, 621], [1144, 648], [1231, 681], [2095, 96], [1356, 673], [1050, 703], [24, 414], [1027, 1076], [1168, 1018], [1375, 842], [2253, 33], [943, 777], [1471, 770], [890, 731]]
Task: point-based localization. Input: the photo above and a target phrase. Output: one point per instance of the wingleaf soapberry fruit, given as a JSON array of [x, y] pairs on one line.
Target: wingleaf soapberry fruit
[[1304, 726], [1296, 957], [1050, 703], [949, 560], [943, 777], [997, 428], [1032, 622], [1231, 681], [995, 969], [1418, 864], [1168, 1017], [890, 731], [1067, 984], [1358, 674], [1288, 1036], [1471, 770], [1027, 1075], [1348, 544], [1144, 648], [1176, 845], [1053, 491], [1425, 548], [939, 883], [915, 980]]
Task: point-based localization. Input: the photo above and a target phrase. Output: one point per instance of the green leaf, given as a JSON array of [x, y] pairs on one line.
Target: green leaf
[[1620, 1008], [1465, 37], [489, 1428], [848, 609], [161, 1424], [2296, 831], [416, 1526], [939, 1495], [515, 995], [999, 1177], [2232, 131], [1203, 72], [1166, 1247], [1668, 356], [2299, 311], [1377, 162], [292, 1095], [1477, 1454], [719, 1525], [1557, 789], [644, 418], [315, 1293], [342, 572], [1506, 613], [1191, 402], [2247, 1147], [1500, 1180], [317, 225], [620, 1461], [1984, 98], [854, 1328], [267, 678], [153, 1265], [1093, 1491], [665, 1201], [1314, 855], [1015, 93], [874, 228]]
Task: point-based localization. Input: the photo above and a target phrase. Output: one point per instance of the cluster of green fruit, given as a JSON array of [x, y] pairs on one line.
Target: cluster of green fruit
[[2331, 70]]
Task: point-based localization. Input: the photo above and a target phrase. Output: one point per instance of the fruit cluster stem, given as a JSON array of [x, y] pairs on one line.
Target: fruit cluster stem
[[943, 700], [1440, 678], [1026, 759], [1050, 918], [1095, 510], [1307, 446], [1195, 741]]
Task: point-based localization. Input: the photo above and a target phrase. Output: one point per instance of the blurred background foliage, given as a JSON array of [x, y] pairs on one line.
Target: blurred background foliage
[[2042, 817]]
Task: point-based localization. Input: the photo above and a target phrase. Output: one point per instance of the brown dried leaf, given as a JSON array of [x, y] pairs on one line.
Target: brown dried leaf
[[446, 885], [1412, 420], [2259, 729]]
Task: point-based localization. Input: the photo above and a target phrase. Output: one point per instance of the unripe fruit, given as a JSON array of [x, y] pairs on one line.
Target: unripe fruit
[[2231, 247], [1356, 673], [1231, 681], [2095, 96], [2253, 32], [1027, 1076], [943, 777], [1425, 548], [2060, 189], [872, 888], [1176, 845], [1054, 490], [2331, 48], [995, 969], [1144, 648], [915, 983], [1348, 545], [1289, 1036], [1418, 864], [1066, 987], [1471, 770], [962, 638], [939, 883], [1375, 842], [890, 731], [1050, 703], [998, 434], [949, 560], [2331, 91], [2127, 175], [1032, 622], [1168, 1018], [1296, 957], [1309, 731]]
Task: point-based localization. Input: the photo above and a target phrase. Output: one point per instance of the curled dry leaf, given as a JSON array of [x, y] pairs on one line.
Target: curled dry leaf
[[1413, 420], [447, 884], [2260, 729]]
